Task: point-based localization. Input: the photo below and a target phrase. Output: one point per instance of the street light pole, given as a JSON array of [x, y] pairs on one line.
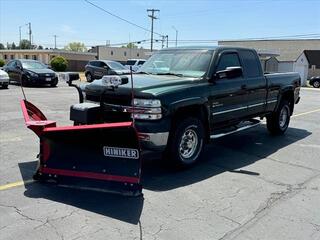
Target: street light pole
[[20, 36], [167, 40], [176, 35], [55, 41], [20, 32]]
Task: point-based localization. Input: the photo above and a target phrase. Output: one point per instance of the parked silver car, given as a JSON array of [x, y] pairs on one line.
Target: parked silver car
[[4, 79]]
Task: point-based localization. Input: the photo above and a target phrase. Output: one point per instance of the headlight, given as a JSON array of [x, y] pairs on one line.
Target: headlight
[[146, 102], [146, 109], [32, 74]]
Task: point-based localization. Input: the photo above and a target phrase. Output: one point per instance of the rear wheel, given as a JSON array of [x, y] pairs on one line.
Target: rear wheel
[[278, 121], [316, 84], [5, 86], [186, 142], [89, 77]]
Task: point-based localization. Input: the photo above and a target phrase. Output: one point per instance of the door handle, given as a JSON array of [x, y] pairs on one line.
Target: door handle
[[243, 86]]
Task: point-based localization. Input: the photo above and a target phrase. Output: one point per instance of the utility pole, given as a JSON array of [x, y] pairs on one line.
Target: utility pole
[[30, 33], [55, 41], [152, 16], [162, 41], [176, 35]]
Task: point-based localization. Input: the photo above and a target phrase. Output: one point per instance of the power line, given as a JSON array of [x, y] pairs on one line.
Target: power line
[[116, 16]]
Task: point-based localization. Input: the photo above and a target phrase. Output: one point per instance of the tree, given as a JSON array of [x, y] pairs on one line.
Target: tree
[[59, 63], [25, 44], [1, 46], [2, 62], [130, 45], [76, 47], [40, 47], [13, 46]]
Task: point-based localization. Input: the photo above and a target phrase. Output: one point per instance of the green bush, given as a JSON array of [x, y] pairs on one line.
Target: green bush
[[2, 62], [59, 63]]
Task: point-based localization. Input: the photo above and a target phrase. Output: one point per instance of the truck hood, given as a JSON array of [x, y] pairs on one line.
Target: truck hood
[[145, 84]]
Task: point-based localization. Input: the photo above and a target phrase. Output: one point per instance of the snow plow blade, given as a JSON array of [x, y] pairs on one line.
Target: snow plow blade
[[103, 157]]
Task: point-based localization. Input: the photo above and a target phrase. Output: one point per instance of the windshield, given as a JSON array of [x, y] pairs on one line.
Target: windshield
[[33, 65], [116, 66], [188, 63]]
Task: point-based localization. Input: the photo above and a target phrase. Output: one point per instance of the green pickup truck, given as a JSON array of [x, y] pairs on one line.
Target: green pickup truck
[[184, 97]]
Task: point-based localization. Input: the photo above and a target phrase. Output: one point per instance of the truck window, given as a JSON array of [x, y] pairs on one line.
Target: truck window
[[228, 60], [250, 63]]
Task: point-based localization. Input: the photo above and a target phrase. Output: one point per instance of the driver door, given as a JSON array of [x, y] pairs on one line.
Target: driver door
[[228, 100]]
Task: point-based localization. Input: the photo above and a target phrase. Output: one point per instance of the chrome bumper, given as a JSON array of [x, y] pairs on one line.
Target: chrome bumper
[[154, 141]]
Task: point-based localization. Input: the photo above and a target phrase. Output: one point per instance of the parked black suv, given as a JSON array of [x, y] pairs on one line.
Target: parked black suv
[[30, 72], [98, 68]]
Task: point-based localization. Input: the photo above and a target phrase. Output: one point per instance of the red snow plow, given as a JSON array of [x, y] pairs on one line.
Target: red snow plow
[[104, 156]]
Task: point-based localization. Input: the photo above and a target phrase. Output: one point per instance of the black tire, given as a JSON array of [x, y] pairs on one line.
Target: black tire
[[5, 86], [278, 121], [89, 77], [187, 135], [316, 84], [54, 84]]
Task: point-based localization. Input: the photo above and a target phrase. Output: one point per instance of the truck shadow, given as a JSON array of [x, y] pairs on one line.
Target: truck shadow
[[226, 154], [127, 209], [230, 153]]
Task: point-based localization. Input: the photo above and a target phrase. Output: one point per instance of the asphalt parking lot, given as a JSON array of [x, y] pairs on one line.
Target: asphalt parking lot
[[248, 186]]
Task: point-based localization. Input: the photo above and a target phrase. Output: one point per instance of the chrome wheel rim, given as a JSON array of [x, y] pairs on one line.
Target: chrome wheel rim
[[88, 77], [188, 144], [316, 84], [284, 114]]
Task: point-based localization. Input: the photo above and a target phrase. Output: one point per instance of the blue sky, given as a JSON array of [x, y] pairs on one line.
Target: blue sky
[[76, 20]]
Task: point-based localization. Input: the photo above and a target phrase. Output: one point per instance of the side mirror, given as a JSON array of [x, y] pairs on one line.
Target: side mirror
[[112, 72], [18, 67], [229, 72]]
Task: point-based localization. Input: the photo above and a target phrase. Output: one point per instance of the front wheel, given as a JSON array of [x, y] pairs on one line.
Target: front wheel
[[186, 142], [24, 82], [278, 121], [316, 84], [54, 83]]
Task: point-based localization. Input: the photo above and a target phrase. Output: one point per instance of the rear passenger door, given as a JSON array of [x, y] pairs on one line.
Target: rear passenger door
[[228, 100], [256, 82]]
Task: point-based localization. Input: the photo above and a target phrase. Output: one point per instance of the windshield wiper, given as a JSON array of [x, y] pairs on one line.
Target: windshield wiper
[[170, 73]]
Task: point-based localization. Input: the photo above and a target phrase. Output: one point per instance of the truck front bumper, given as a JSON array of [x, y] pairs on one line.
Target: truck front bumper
[[153, 141], [153, 135]]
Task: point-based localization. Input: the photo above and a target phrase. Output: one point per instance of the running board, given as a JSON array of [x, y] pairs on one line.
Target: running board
[[240, 127]]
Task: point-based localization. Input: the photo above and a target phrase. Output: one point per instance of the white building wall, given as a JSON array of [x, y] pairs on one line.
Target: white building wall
[[301, 66], [285, 67]]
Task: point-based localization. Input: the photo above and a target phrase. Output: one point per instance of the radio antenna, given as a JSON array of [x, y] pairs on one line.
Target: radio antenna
[[132, 95]]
